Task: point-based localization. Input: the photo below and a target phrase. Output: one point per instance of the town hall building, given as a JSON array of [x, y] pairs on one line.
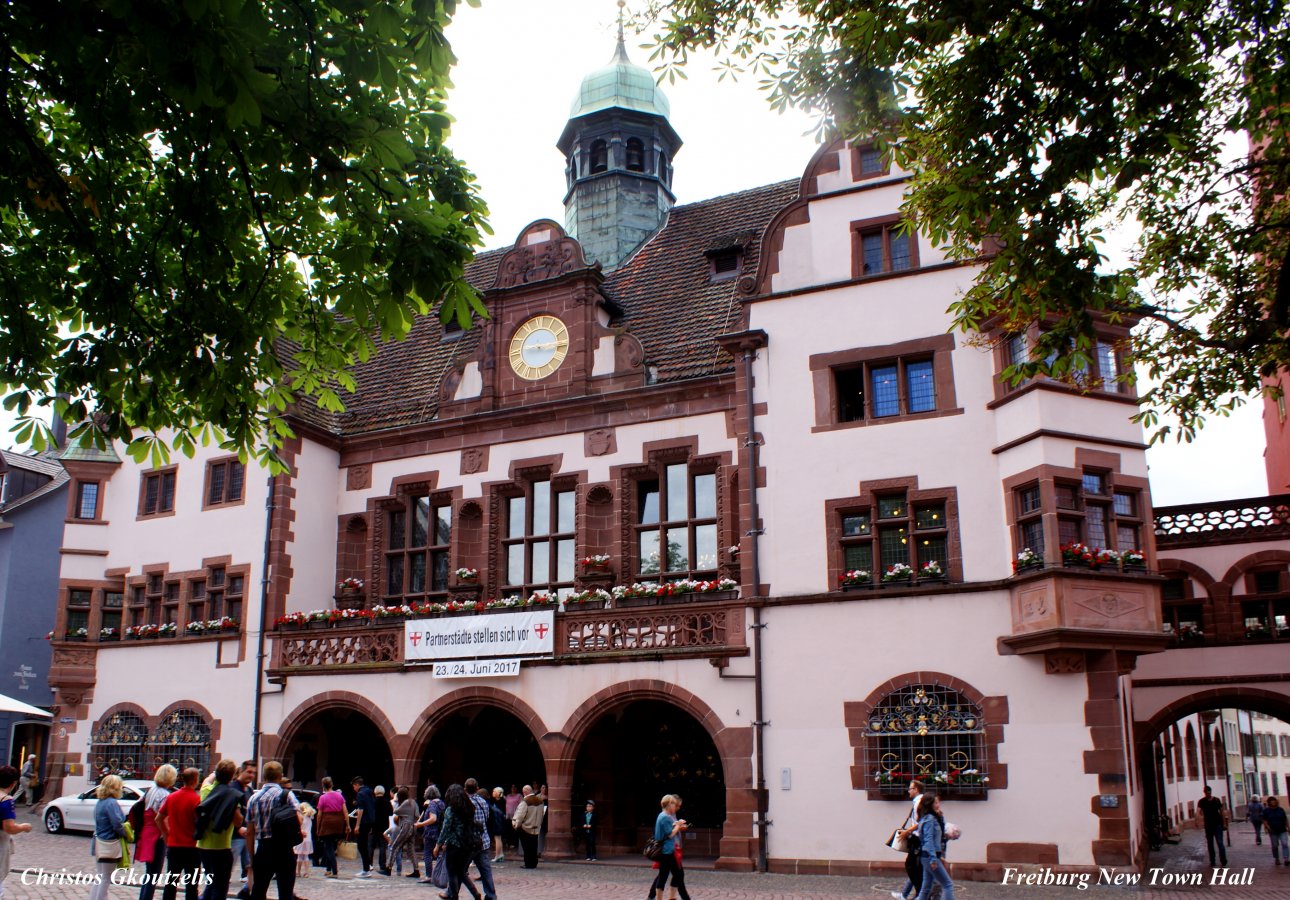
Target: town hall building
[[714, 502]]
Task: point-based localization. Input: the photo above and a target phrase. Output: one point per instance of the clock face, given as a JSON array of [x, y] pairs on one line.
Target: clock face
[[539, 347]]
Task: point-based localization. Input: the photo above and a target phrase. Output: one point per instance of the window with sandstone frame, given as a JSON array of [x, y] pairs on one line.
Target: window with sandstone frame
[[539, 547], [675, 521], [889, 528], [157, 493], [418, 539]]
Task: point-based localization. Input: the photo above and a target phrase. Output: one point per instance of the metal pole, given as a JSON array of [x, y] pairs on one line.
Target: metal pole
[[264, 619], [754, 531]]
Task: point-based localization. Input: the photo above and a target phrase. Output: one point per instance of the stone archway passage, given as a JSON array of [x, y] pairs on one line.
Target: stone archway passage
[[486, 743], [340, 742], [630, 757]]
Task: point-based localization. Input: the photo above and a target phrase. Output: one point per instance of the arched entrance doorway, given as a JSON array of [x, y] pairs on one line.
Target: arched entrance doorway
[[484, 742], [630, 757], [1230, 740], [340, 742]]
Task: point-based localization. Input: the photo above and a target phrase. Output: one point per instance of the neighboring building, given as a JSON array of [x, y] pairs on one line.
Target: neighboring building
[[761, 387], [33, 505], [1270, 746]]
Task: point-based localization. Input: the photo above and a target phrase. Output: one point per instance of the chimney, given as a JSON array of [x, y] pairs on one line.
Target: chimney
[[59, 427]]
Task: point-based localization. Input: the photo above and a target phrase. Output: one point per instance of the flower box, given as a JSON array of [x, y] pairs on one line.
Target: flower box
[[856, 580], [898, 575], [931, 579], [585, 604], [699, 597]]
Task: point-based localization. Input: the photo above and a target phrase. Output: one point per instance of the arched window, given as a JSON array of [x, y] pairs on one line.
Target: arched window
[[118, 747], [1193, 754], [635, 155], [928, 733], [599, 157], [662, 168], [183, 739]]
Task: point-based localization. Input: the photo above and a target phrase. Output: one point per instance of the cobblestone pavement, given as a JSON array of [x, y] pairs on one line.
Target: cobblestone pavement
[[629, 881]]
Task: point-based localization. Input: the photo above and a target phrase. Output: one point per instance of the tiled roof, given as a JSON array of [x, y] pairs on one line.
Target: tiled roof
[[57, 477], [668, 299]]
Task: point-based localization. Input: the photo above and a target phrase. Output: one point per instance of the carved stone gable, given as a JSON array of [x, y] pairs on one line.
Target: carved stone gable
[[542, 251]]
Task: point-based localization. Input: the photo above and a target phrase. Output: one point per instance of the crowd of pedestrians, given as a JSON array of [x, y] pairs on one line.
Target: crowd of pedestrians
[[193, 834]]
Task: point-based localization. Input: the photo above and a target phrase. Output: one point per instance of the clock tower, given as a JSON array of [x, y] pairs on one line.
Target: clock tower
[[619, 148]]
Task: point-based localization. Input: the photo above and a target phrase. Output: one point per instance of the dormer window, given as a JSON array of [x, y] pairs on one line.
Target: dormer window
[[599, 157], [868, 162], [726, 264], [635, 155]]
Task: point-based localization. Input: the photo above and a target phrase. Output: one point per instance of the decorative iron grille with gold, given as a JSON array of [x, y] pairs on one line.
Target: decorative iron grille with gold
[[118, 746], [926, 733], [182, 739]]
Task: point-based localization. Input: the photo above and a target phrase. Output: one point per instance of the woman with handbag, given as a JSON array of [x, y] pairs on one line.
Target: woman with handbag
[[457, 842], [428, 823], [109, 829], [332, 824], [152, 846], [666, 827]]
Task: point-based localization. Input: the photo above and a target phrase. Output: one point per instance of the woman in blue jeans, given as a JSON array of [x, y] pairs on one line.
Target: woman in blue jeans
[[931, 850]]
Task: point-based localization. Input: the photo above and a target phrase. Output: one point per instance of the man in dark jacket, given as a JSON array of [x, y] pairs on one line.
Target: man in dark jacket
[[365, 810], [1274, 818]]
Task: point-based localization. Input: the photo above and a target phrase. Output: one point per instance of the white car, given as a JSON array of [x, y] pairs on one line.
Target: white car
[[75, 812]]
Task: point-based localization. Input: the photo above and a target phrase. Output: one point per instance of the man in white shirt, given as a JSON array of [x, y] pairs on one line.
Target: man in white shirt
[[913, 865]]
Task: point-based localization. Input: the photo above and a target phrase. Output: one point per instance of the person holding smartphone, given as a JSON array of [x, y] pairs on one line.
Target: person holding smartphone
[[666, 828]]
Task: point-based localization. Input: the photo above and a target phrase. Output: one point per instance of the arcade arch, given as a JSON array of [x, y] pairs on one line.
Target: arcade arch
[[341, 736]]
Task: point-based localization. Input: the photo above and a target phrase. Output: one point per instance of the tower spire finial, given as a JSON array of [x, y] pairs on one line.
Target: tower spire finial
[[621, 52]]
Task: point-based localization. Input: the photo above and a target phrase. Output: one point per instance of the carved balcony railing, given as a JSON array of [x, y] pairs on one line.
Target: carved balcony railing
[[342, 647], [1225, 522], [714, 629], [666, 630]]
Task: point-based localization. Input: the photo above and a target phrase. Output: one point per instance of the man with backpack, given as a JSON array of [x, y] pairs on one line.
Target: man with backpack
[[273, 829], [481, 858]]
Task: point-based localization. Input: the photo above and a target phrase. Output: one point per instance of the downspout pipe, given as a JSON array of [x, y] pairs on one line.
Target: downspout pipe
[[264, 619], [754, 532]]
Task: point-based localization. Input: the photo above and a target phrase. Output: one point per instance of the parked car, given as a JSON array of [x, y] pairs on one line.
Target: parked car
[[75, 812]]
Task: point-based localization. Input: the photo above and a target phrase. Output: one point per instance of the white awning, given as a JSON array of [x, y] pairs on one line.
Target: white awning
[[10, 705]]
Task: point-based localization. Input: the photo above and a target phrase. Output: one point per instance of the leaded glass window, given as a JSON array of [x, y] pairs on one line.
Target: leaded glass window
[[927, 733], [118, 747]]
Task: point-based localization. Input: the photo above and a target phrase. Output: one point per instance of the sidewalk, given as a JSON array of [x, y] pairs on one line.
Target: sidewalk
[[578, 880]]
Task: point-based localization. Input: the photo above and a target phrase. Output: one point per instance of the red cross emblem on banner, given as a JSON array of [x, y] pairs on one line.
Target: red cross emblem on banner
[[541, 630], [415, 638]]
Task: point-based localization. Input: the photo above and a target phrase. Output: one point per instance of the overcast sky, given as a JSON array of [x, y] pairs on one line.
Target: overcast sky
[[521, 62]]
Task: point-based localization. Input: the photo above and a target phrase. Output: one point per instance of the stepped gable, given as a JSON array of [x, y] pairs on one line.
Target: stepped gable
[[665, 291], [669, 300]]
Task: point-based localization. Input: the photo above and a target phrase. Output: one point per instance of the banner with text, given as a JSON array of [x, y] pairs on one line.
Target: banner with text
[[528, 633]]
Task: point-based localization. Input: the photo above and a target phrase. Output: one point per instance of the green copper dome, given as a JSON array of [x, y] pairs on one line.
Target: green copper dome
[[620, 85]]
